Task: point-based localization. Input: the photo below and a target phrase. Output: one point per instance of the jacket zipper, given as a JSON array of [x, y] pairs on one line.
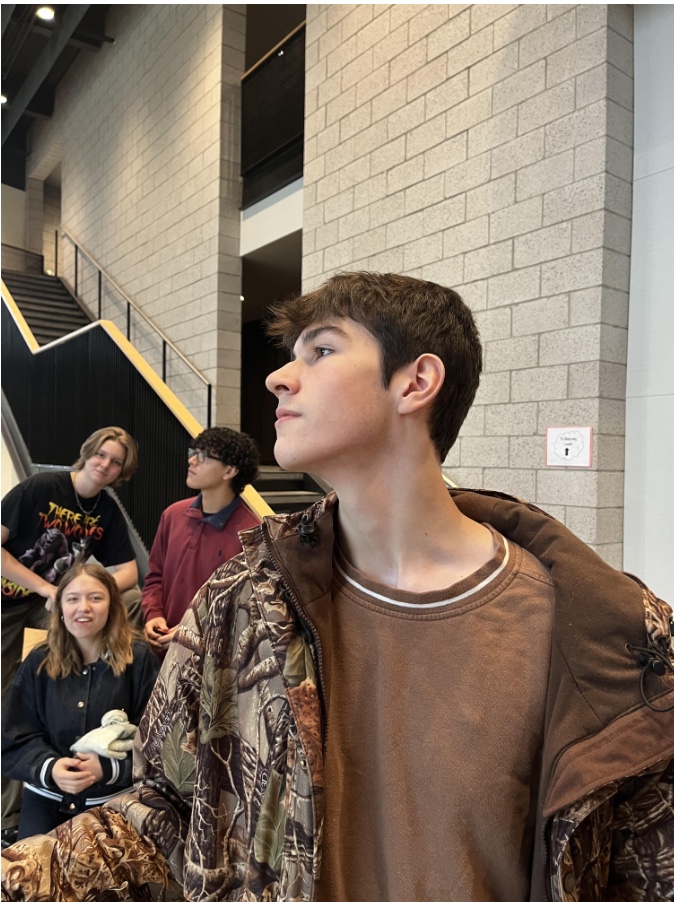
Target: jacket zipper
[[306, 621], [547, 878]]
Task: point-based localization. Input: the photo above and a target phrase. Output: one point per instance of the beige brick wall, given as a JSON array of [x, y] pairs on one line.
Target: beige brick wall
[[51, 220], [147, 132], [489, 148]]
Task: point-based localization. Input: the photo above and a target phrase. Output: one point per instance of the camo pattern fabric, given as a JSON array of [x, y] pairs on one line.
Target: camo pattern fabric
[[617, 845], [620, 839], [229, 753], [658, 628]]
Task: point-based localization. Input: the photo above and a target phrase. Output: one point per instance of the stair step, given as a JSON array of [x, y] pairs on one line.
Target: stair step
[[48, 328], [44, 339], [51, 297], [69, 320], [50, 301], [275, 499], [270, 472], [26, 280], [47, 305], [19, 274]]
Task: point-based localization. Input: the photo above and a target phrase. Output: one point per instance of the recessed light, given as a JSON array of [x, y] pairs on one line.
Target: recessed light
[[46, 13], [3, 98]]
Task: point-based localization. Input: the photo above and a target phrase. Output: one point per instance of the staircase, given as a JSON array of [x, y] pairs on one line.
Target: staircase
[[285, 491], [46, 304]]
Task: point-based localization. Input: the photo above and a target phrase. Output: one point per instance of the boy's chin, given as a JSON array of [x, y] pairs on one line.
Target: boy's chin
[[287, 459]]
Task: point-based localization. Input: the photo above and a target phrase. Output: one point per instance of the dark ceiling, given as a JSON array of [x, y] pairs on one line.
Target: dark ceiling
[[37, 54], [35, 57]]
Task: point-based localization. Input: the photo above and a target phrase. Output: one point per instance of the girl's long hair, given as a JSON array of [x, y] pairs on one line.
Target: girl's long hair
[[64, 656]]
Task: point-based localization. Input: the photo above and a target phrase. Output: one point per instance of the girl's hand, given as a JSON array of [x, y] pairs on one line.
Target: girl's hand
[[69, 776], [91, 764]]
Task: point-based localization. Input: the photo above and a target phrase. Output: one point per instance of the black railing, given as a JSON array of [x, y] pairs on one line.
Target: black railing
[[103, 297], [272, 120], [82, 384], [19, 260]]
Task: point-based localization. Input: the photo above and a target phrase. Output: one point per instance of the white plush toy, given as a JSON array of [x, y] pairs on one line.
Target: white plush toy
[[113, 739]]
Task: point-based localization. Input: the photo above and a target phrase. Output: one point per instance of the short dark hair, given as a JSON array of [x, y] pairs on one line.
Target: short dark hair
[[408, 317], [231, 448], [110, 434]]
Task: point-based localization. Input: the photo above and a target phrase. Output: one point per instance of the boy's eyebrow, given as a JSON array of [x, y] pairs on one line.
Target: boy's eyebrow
[[312, 334]]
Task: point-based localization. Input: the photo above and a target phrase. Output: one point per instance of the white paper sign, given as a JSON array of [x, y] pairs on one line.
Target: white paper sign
[[569, 446]]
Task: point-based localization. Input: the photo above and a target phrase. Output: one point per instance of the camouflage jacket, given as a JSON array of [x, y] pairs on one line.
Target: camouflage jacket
[[228, 759]]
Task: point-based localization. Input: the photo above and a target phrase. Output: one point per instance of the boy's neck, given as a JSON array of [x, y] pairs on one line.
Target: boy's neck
[[213, 500], [406, 532]]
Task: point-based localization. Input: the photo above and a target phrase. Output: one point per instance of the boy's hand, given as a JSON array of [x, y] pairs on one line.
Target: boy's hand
[[155, 630]]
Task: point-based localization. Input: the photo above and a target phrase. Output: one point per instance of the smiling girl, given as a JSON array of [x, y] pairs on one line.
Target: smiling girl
[[91, 663]]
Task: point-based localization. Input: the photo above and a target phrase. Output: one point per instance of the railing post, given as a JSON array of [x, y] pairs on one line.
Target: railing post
[[100, 294], [56, 252], [76, 270], [209, 391], [163, 361], [128, 321]]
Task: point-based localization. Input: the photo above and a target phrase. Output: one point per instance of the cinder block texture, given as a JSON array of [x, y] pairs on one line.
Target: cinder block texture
[[149, 149], [506, 162]]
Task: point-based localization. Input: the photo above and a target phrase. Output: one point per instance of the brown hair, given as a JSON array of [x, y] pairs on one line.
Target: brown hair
[[64, 656], [115, 434], [408, 317]]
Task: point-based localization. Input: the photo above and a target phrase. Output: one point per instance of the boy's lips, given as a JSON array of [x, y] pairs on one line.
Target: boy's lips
[[283, 414]]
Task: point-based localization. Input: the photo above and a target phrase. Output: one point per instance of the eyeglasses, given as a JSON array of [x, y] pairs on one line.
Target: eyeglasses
[[200, 455]]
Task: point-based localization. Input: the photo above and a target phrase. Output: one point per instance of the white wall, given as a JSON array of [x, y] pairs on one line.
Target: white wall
[[272, 218], [13, 216], [649, 475]]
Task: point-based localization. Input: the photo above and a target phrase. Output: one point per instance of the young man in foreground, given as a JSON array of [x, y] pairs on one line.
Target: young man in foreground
[[197, 535], [403, 693]]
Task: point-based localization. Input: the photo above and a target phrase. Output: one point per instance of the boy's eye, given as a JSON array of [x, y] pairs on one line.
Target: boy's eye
[[322, 352]]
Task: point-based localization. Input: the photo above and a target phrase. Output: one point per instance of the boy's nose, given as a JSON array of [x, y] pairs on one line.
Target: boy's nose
[[279, 381]]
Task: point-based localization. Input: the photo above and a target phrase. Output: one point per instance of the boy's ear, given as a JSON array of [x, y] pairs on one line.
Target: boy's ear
[[230, 472], [421, 381]]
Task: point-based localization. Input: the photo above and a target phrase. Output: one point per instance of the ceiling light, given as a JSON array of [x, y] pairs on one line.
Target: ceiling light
[[3, 98], [46, 13]]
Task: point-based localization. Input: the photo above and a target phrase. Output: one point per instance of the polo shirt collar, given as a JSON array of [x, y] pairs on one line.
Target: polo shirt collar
[[220, 518]]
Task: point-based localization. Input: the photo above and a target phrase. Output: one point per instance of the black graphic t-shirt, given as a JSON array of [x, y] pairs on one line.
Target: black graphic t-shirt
[[48, 532]]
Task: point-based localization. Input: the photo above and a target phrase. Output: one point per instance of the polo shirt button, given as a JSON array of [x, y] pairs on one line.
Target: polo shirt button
[[72, 806], [569, 882], [80, 704]]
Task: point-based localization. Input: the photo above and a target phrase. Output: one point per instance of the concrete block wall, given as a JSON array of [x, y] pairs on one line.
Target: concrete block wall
[[147, 134], [489, 148], [34, 207], [51, 220]]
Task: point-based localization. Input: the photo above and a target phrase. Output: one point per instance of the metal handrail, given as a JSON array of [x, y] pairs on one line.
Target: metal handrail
[[130, 303]]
